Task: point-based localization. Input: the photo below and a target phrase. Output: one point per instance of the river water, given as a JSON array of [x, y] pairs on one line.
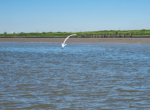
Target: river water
[[80, 76]]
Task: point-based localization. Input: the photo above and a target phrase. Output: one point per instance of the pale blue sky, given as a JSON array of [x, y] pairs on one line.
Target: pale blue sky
[[73, 15]]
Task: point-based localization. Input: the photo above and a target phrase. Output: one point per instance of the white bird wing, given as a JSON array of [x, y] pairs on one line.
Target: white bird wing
[[68, 37]]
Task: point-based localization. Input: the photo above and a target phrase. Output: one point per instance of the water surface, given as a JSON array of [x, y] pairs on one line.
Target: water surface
[[80, 76]]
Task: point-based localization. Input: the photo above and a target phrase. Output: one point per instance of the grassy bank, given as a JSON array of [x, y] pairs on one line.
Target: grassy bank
[[115, 33]]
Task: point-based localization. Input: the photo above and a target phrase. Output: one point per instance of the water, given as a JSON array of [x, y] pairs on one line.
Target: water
[[81, 76]]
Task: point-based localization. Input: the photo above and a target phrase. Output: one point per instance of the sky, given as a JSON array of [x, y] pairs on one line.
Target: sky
[[73, 15]]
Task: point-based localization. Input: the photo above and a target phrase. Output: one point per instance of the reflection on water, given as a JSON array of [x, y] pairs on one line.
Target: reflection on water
[[81, 76]]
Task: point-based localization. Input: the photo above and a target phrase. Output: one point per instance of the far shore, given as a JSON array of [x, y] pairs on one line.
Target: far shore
[[79, 40]]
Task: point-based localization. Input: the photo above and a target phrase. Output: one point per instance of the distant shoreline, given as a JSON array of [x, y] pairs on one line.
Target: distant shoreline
[[86, 34], [79, 40]]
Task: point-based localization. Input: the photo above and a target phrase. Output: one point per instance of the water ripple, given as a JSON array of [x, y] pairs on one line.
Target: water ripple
[[83, 76]]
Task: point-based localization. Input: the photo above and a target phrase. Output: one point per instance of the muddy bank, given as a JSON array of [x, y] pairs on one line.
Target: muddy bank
[[79, 40]]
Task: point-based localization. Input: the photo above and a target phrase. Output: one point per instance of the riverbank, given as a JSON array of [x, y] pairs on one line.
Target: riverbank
[[79, 40], [86, 34]]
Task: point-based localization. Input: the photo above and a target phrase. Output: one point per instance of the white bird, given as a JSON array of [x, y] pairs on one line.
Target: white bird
[[63, 44]]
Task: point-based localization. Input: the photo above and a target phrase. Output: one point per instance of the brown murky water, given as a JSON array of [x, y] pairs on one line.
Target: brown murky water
[[81, 76]]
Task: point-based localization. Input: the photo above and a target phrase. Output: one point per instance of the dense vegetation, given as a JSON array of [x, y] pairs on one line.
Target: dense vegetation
[[135, 33]]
